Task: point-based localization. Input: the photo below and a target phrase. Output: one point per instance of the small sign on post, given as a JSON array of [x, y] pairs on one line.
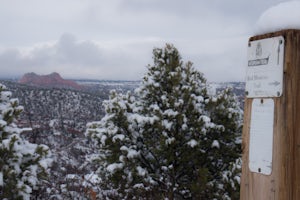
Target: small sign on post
[[265, 67], [261, 136]]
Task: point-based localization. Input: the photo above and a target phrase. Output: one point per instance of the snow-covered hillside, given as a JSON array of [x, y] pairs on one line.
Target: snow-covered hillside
[[58, 119]]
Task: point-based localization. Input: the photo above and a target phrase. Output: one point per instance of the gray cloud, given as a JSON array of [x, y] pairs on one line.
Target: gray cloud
[[85, 59], [114, 39], [66, 53]]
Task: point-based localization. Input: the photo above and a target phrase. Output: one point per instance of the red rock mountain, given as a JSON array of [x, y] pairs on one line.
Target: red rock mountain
[[50, 80]]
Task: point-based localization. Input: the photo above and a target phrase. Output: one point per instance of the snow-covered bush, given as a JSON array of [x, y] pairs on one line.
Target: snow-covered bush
[[170, 139], [22, 164]]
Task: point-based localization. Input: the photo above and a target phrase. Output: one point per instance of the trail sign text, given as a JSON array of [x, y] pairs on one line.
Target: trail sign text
[[264, 72]]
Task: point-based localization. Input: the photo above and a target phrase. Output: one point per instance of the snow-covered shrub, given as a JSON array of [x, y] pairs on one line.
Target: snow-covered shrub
[[22, 164]]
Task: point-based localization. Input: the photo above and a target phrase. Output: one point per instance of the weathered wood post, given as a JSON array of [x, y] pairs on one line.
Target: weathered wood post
[[271, 132]]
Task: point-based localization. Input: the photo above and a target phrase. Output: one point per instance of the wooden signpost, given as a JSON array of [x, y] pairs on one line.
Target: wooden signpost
[[271, 132]]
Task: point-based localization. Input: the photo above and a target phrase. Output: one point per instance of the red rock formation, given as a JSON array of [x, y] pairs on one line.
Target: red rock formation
[[53, 80]]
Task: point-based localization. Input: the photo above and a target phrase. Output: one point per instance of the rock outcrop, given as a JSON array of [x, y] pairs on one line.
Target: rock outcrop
[[53, 80]]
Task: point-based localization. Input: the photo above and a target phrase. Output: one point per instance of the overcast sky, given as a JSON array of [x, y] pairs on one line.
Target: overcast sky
[[114, 39]]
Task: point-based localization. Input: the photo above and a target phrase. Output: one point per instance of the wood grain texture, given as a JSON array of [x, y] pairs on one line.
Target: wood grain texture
[[284, 181]]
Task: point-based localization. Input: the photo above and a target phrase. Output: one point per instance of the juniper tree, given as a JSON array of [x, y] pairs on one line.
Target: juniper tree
[[161, 141], [22, 164]]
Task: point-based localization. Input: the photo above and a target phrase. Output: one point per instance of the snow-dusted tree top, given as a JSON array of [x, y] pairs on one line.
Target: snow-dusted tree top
[[282, 16]]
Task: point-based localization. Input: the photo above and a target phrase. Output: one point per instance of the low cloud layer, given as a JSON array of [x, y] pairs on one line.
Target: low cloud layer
[[126, 60], [114, 39], [77, 59]]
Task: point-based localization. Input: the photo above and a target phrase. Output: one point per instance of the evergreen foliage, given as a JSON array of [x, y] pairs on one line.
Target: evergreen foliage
[[170, 139], [22, 164]]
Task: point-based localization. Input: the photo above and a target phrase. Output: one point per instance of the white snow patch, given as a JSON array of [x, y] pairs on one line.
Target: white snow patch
[[45, 163], [117, 137], [170, 140], [141, 171], [170, 113], [184, 127], [205, 118], [5, 95], [122, 105], [1, 179], [164, 168], [113, 167], [192, 143], [53, 122], [26, 129], [2, 123], [215, 144], [63, 187], [167, 124], [139, 185], [282, 16], [71, 176], [103, 139], [131, 153], [238, 179], [56, 133], [91, 179], [155, 107]]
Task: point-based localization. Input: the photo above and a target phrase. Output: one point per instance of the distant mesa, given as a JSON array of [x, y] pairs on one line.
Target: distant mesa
[[53, 80]]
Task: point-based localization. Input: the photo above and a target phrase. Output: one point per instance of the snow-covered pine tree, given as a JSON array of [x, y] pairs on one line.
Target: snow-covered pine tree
[[157, 142], [22, 164]]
